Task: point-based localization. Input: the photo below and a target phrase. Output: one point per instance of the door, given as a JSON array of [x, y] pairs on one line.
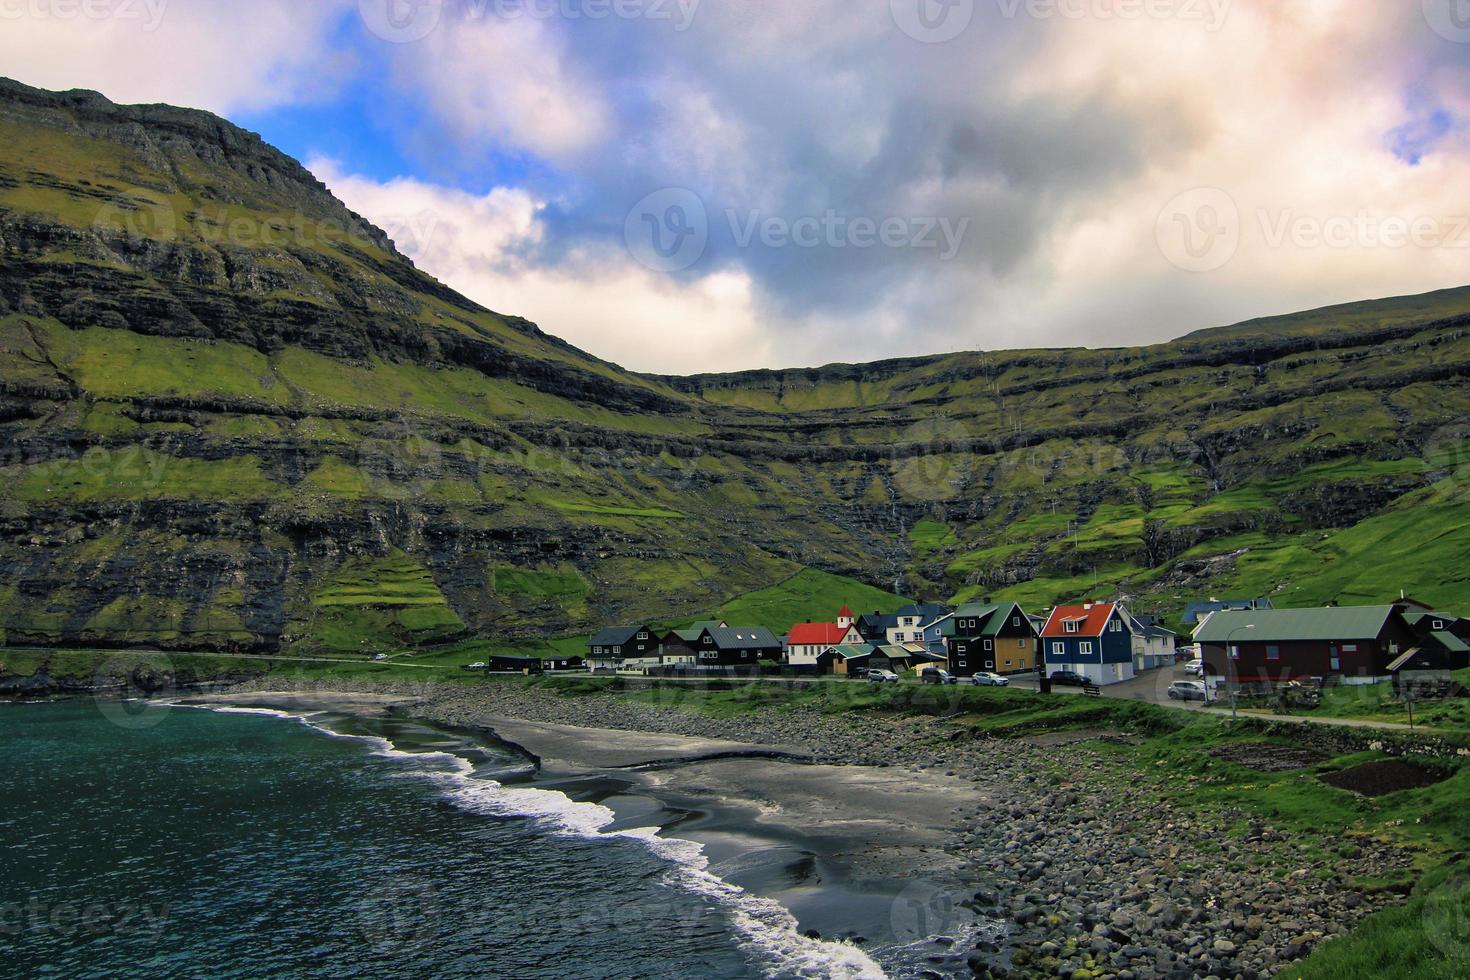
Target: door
[[1336, 658]]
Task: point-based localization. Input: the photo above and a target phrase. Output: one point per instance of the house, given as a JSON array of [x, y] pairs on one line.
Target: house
[[806, 642], [1195, 612], [682, 646], [849, 658], [918, 656], [620, 646], [989, 637], [1424, 619], [516, 665], [725, 646], [1154, 645], [1268, 646], [1094, 639], [558, 664], [1439, 651], [874, 628], [912, 619]]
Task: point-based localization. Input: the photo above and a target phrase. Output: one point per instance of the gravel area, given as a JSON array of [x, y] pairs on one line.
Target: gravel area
[[1093, 875]]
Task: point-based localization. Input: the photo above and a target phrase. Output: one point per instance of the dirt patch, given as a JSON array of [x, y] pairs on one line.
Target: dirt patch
[[1380, 778], [1263, 757]]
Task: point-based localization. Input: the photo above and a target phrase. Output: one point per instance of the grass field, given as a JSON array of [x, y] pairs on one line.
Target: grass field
[[808, 596]]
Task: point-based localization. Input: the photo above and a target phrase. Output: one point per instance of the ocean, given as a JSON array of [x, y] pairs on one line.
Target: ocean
[[146, 840]]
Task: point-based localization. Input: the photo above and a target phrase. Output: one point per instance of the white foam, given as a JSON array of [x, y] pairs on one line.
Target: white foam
[[772, 932]]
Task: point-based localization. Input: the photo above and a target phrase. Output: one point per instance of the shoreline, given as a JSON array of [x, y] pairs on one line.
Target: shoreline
[[838, 847], [1087, 873]]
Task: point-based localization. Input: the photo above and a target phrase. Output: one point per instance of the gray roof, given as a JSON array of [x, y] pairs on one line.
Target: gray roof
[[614, 636], [926, 611], [1196, 611], [1286, 625], [744, 638]]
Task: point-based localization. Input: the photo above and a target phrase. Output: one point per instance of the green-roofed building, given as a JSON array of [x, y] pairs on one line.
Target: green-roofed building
[[989, 637], [1261, 646], [682, 646]]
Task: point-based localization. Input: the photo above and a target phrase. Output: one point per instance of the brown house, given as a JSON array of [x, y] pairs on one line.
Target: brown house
[[1268, 646]]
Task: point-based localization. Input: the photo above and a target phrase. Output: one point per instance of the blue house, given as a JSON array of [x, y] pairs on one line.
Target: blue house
[[1094, 639]]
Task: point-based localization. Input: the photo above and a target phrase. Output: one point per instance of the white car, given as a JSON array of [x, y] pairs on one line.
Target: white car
[[883, 676], [1195, 667], [987, 679], [477, 667]]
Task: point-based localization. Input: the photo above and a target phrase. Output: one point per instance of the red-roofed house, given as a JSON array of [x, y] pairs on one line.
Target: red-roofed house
[[808, 641], [1094, 639]]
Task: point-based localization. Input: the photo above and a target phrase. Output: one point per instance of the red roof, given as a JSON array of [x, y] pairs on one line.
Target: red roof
[[1091, 619], [844, 612], [815, 634]]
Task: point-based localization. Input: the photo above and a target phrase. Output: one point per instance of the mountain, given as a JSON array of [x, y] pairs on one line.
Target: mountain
[[234, 416]]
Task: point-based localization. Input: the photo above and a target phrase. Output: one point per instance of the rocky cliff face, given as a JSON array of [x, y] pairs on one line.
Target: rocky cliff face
[[233, 415]]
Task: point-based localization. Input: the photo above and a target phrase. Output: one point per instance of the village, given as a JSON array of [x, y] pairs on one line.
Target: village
[[1234, 648]]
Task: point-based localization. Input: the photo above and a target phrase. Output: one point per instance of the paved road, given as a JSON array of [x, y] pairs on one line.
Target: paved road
[[1153, 687]]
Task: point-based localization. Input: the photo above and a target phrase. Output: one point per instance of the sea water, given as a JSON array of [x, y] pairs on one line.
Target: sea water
[[154, 840]]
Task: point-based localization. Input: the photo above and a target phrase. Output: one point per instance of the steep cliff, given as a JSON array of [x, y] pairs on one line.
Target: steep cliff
[[233, 415]]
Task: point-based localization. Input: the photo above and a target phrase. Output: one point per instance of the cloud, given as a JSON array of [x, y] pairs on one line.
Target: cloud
[[495, 81], [1318, 149], [210, 54], [1055, 140], [597, 298]]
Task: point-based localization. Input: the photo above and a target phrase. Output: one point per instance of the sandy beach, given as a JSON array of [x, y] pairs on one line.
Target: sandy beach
[[855, 853]]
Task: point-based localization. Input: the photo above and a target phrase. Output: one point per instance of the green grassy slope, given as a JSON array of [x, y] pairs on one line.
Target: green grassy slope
[[221, 393]]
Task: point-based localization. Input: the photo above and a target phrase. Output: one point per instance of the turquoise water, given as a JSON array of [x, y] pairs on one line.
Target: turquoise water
[[198, 843]]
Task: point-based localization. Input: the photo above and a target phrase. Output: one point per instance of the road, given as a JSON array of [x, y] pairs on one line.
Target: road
[[1153, 687]]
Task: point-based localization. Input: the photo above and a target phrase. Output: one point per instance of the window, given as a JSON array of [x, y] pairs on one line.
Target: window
[[643, 636], [1070, 626], [1273, 653], [1008, 663], [1015, 620], [962, 647], [596, 650], [1117, 626], [990, 665], [1058, 649], [990, 644], [1234, 652], [1086, 647], [1439, 624], [1350, 648]]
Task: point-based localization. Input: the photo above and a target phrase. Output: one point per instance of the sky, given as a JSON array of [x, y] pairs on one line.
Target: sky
[[685, 186]]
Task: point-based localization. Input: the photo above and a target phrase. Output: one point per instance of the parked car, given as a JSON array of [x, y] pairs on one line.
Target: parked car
[[933, 675], [380, 658], [858, 673], [1187, 691], [1069, 678], [480, 666], [882, 677], [1195, 667], [987, 679]]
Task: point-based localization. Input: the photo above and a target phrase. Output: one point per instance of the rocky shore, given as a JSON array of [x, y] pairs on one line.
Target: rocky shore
[[1096, 877]]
